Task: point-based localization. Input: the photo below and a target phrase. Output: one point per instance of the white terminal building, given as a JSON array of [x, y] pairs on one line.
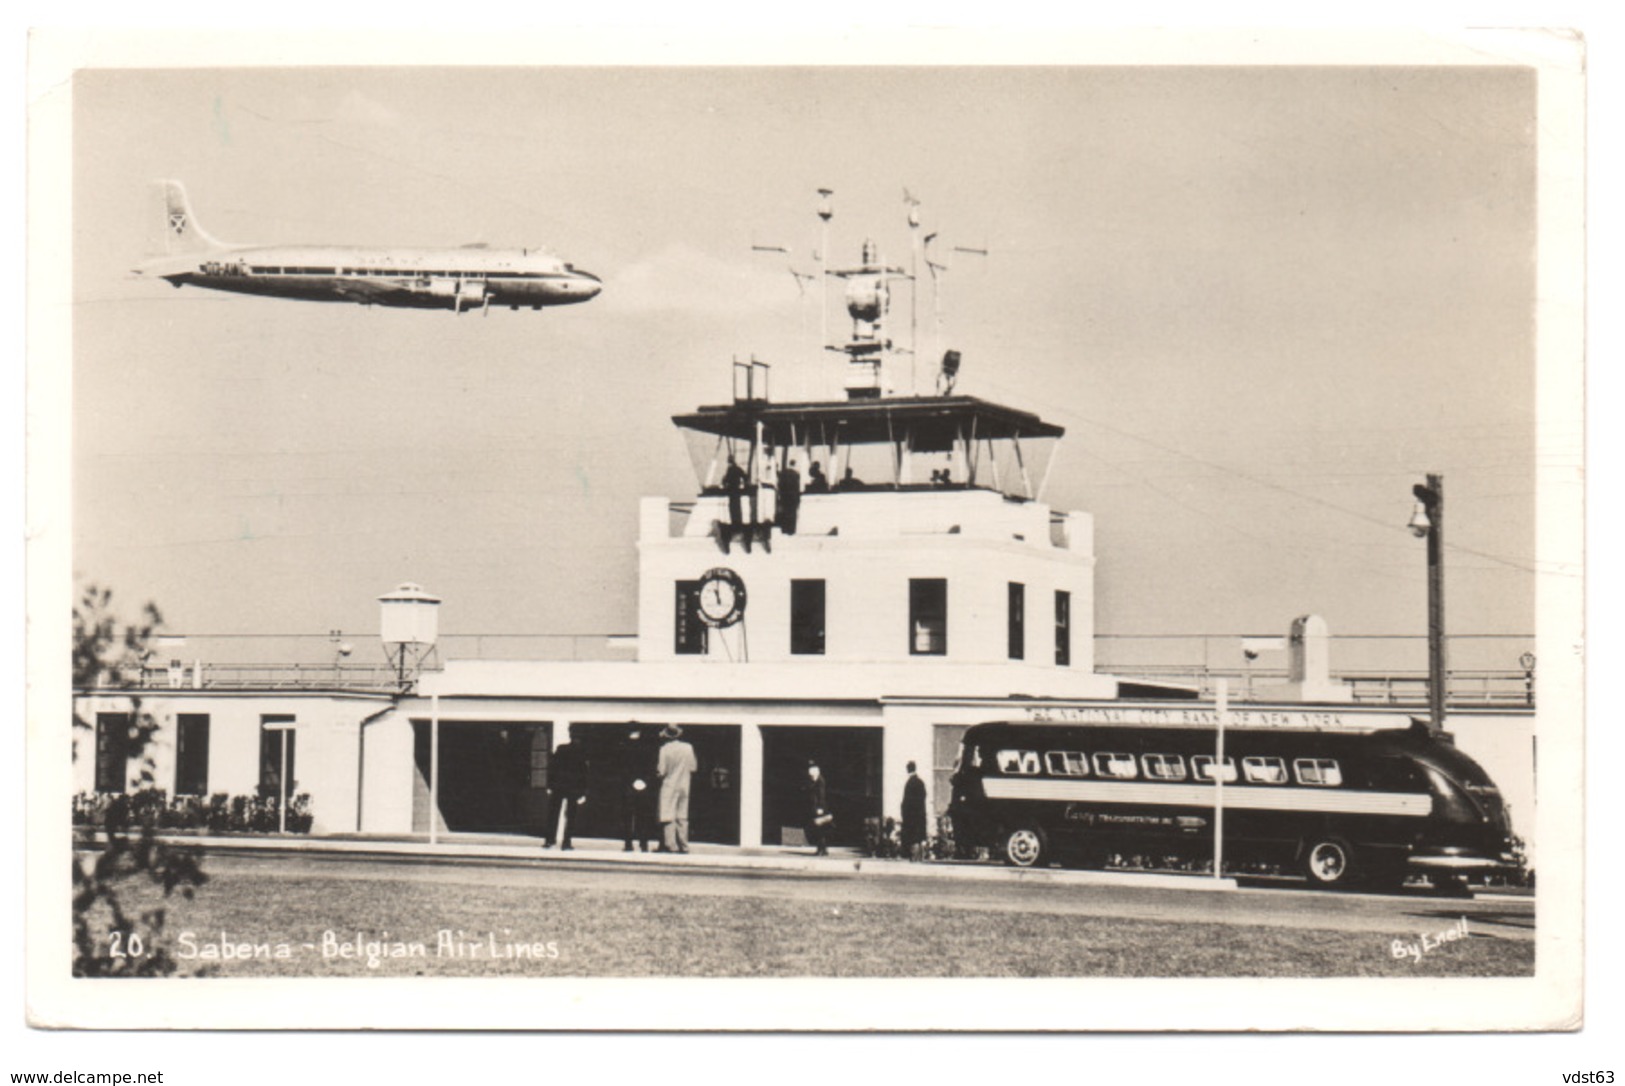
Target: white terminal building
[[917, 587]]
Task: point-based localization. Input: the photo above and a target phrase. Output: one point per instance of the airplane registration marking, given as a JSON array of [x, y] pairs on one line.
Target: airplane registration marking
[[1236, 797]]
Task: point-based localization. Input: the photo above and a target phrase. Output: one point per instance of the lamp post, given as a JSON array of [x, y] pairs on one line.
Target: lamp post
[[1427, 522]]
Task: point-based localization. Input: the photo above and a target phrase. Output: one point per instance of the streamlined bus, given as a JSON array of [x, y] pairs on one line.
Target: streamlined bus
[[1340, 807]]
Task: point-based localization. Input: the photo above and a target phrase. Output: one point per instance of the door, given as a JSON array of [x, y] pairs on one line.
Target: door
[[850, 761]]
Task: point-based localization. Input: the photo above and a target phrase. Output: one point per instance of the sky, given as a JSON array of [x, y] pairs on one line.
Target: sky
[[1264, 302]]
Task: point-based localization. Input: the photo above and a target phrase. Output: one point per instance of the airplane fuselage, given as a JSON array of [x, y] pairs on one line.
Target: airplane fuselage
[[457, 279]]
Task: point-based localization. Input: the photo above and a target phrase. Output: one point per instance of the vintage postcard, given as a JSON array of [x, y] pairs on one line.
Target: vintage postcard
[[920, 531]]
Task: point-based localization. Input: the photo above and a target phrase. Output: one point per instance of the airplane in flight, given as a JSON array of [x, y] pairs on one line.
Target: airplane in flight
[[473, 277]]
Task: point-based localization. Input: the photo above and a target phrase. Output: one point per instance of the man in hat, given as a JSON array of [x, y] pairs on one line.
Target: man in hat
[[677, 764], [819, 817]]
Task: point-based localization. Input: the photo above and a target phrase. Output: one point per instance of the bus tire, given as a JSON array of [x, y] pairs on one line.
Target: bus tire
[[1328, 862], [1026, 846]]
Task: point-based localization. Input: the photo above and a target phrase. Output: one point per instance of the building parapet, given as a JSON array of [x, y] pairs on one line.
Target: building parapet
[[884, 514]]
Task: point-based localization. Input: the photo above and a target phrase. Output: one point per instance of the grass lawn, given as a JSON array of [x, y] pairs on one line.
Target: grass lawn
[[573, 932]]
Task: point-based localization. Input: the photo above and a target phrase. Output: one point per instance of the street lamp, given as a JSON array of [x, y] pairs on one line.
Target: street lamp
[[1427, 522]]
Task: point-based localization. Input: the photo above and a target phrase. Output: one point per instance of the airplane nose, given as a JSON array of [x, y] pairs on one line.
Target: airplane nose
[[590, 284]]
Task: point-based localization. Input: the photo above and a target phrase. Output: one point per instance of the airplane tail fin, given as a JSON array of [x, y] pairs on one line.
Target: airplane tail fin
[[182, 234]]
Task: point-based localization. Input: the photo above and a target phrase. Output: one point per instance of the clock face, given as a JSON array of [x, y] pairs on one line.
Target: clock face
[[722, 597]]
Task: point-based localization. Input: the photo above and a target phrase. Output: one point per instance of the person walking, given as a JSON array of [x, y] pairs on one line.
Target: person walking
[[914, 835], [676, 767], [819, 818]]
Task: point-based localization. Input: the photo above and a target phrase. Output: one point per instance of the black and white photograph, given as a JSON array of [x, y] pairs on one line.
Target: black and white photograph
[[1058, 534]]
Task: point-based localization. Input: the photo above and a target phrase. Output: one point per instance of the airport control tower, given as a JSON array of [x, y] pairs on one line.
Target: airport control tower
[[880, 531]]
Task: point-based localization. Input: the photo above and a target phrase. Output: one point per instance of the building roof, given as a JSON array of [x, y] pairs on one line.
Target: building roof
[[932, 423]]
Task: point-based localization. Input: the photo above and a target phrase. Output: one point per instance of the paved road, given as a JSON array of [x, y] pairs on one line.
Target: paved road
[[1494, 915]]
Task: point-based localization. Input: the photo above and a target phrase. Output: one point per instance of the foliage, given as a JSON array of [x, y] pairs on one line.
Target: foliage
[[880, 838], [110, 940], [105, 653], [220, 813]]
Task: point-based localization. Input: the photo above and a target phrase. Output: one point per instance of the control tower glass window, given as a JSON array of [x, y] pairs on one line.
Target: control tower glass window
[[928, 616], [807, 618]]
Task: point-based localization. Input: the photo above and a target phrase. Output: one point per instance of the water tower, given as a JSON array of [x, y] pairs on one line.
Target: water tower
[[409, 620]]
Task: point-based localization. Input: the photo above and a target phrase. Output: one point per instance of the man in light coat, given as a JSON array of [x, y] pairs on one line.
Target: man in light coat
[[677, 765]]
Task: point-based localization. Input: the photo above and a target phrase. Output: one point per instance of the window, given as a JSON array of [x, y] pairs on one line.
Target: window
[[192, 754], [1320, 771], [1017, 635], [1021, 763], [807, 618], [690, 631], [1066, 763], [1264, 770], [1063, 629], [276, 741], [1163, 767], [1202, 767], [541, 751], [112, 752], [928, 617], [1119, 766]]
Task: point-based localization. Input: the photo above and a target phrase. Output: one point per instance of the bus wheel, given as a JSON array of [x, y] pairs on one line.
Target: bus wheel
[[1026, 847], [1328, 862]]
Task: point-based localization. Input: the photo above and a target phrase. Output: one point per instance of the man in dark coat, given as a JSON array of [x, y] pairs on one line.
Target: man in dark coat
[[818, 813], [733, 484], [639, 789], [789, 497], [914, 834], [566, 793]]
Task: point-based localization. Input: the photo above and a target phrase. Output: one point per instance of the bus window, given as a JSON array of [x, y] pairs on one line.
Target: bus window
[[1321, 771], [1021, 763], [1066, 763], [1163, 767], [1202, 767], [1264, 770], [1120, 766]]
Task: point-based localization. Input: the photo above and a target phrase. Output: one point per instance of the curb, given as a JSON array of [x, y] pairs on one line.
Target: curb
[[833, 866]]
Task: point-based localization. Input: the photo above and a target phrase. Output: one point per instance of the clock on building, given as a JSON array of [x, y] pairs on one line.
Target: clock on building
[[722, 598]]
